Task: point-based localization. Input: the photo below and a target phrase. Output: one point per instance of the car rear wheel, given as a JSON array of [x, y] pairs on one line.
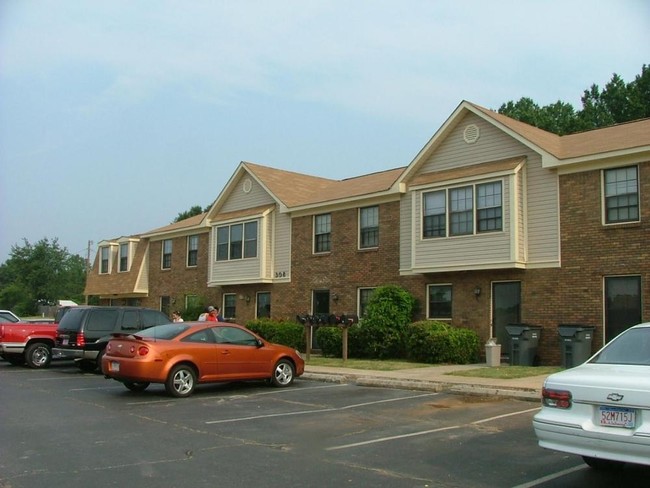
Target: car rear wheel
[[137, 385], [283, 373], [603, 464], [38, 355], [181, 381]]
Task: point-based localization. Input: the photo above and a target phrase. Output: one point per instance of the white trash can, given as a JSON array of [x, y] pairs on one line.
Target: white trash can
[[493, 353]]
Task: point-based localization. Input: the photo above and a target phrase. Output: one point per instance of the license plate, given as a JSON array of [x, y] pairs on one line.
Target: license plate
[[617, 417], [64, 341], [115, 366]]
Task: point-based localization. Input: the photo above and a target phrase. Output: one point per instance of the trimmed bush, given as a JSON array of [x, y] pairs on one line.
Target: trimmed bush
[[330, 341], [286, 333], [437, 342]]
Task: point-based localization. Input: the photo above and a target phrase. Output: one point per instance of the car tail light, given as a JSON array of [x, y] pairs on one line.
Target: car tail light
[[81, 340], [556, 398], [143, 351]]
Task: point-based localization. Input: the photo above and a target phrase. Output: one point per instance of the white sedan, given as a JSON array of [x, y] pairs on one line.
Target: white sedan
[[600, 410]]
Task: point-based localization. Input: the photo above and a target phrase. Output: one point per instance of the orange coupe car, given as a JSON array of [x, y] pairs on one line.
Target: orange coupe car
[[181, 355]]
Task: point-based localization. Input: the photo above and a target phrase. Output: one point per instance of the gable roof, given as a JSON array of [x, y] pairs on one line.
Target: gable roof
[[190, 223], [627, 138]]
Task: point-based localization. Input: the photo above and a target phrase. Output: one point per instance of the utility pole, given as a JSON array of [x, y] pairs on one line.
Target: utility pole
[[88, 269]]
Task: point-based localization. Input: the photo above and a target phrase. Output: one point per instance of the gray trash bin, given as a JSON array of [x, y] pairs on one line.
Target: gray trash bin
[[524, 339], [575, 340]]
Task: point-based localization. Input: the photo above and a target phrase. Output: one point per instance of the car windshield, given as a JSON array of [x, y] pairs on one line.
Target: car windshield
[[631, 347], [167, 331]]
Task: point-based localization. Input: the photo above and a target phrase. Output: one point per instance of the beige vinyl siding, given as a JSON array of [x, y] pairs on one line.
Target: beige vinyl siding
[[281, 238], [530, 236], [462, 252], [542, 218], [240, 200], [142, 281]]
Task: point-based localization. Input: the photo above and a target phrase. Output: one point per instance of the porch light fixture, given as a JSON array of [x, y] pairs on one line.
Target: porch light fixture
[[335, 297], [477, 291]]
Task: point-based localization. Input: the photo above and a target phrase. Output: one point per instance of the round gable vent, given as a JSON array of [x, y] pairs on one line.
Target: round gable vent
[[471, 134], [248, 185]]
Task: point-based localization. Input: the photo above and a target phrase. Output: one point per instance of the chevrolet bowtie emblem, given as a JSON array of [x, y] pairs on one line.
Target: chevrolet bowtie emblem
[[615, 397]]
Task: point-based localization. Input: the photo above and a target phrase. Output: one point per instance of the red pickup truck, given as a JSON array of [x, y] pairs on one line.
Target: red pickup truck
[[29, 342]]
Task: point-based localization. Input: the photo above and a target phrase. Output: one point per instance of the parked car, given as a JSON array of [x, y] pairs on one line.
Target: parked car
[[600, 410], [85, 330], [180, 355], [8, 316]]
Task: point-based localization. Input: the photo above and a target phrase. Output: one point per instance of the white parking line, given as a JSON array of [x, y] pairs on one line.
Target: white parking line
[[424, 432], [320, 410], [550, 477], [232, 397]]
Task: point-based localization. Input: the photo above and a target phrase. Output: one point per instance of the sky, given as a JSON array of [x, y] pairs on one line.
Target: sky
[[117, 115]]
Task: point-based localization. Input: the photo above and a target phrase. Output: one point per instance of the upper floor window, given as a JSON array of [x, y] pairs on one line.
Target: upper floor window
[[166, 254], [621, 195], [104, 260], [192, 250], [439, 301], [368, 227], [488, 207], [237, 241], [322, 233], [124, 256], [453, 211]]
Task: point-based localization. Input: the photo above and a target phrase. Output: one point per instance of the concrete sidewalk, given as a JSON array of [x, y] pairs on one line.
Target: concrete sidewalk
[[433, 378]]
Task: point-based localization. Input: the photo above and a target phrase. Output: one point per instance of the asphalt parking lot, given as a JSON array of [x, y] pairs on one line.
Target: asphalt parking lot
[[64, 428]]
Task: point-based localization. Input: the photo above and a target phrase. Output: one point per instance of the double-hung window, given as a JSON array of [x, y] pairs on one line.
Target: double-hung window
[[104, 260], [124, 256], [439, 301], [192, 250], [167, 254], [369, 227], [621, 195], [462, 210], [237, 241], [322, 233]]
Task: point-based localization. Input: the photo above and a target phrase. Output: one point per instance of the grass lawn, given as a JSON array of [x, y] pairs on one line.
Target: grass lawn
[[376, 364], [507, 372], [501, 372]]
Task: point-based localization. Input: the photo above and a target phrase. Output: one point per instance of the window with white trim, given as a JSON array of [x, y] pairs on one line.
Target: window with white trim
[[364, 298], [229, 305], [369, 227], [124, 257], [237, 241], [322, 233], [192, 250], [453, 211], [621, 188], [105, 259], [166, 262]]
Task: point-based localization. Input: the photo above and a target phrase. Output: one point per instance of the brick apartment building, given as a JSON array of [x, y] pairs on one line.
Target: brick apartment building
[[494, 222]]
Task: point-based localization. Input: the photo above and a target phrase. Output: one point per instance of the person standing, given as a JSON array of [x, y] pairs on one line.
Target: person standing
[[176, 316]]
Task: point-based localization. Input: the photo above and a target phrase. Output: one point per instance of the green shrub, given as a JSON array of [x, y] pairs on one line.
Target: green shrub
[[330, 341], [287, 333], [380, 334], [437, 342]]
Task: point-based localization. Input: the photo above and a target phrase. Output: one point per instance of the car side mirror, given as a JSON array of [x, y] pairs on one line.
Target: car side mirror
[[259, 343]]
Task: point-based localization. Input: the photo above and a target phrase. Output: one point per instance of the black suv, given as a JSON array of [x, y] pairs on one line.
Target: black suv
[[84, 331]]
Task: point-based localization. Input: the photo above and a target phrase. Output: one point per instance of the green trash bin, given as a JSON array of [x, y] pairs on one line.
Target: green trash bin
[[524, 339], [575, 340]]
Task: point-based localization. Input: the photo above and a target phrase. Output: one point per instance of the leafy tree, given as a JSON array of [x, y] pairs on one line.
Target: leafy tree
[[40, 273], [618, 102], [195, 210]]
